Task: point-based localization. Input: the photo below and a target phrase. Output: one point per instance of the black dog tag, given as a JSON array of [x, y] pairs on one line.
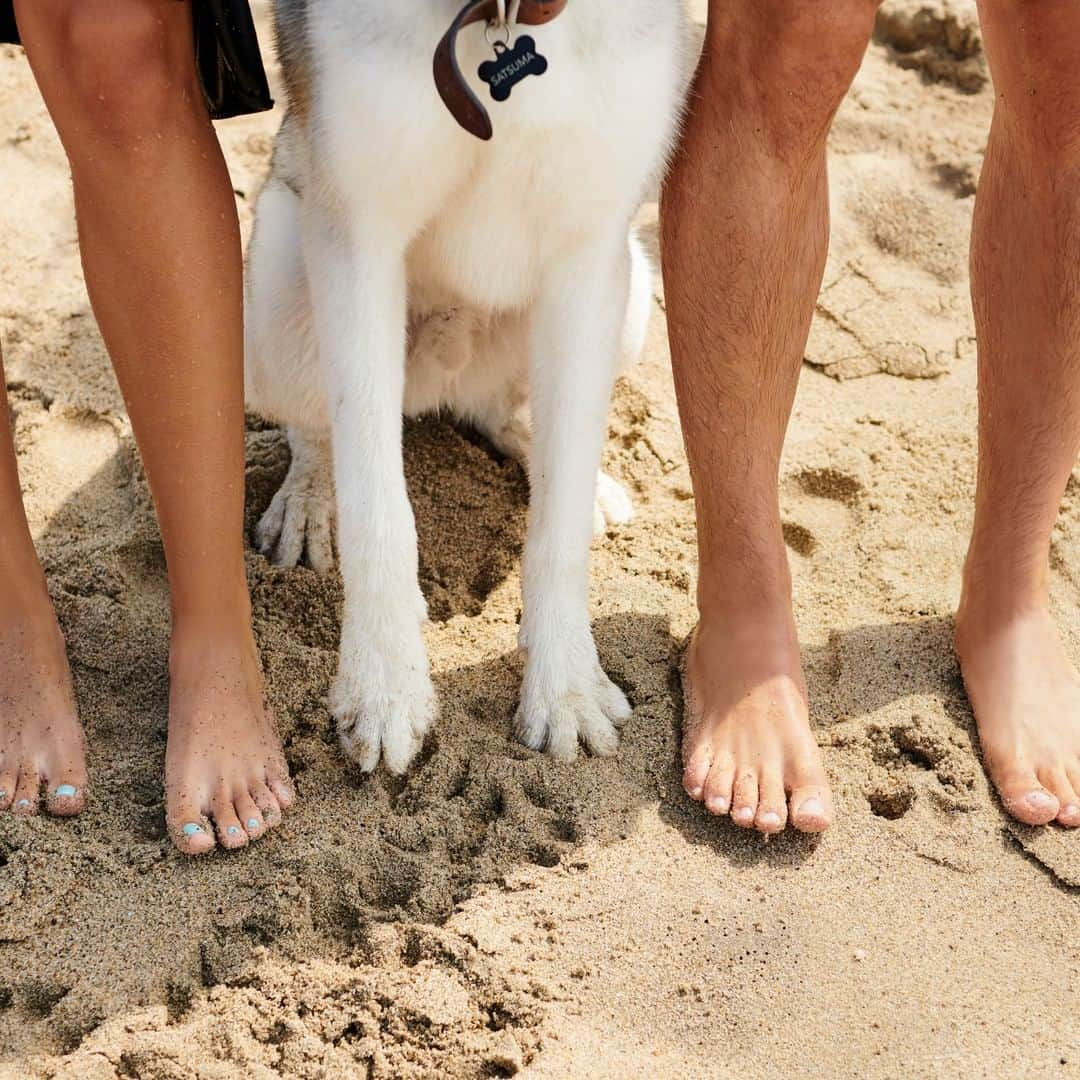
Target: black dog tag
[[511, 65]]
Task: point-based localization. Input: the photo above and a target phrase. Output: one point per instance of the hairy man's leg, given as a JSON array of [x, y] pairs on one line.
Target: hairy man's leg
[[1026, 288], [745, 223]]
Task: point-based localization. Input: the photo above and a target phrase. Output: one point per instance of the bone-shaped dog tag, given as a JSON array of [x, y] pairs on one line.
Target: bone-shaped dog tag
[[511, 65]]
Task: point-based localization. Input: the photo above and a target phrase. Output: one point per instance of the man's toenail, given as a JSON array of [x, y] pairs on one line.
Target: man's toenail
[[191, 829], [1070, 811], [744, 814], [66, 791], [253, 823], [717, 806], [1040, 800], [812, 808], [233, 830], [770, 820]]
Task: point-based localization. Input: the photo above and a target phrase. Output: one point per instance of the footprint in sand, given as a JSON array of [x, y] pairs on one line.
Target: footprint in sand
[[819, 506]]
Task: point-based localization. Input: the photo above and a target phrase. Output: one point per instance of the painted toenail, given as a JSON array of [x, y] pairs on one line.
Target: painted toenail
[[812, 808], [66, 791], [233, 830], [23, 804], [3, 795], [191, 829], [253, 823], [1040, 800]]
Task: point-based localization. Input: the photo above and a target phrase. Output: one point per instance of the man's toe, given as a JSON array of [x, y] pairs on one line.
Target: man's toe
[[811, 805], [744, 801], [719, 783], [1026, 798], [772, 804], [696, 771], [1070, 812], [1056, 781], [811, 808]]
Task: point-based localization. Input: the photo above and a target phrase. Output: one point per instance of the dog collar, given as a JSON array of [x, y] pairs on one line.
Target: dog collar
[[453, 88]]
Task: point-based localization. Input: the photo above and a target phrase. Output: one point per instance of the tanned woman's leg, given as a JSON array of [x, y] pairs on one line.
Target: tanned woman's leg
[[41, 742], [161, 254]]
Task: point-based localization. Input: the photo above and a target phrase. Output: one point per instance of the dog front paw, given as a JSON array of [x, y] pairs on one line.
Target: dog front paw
[[567, 698], [383, 711]]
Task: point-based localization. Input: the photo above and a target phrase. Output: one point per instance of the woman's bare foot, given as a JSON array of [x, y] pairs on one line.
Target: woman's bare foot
[[225, 773], [1026, 695], [41, 741], [747, 745]]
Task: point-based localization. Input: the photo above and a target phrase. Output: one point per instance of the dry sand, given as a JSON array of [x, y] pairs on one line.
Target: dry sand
[[496, 912]]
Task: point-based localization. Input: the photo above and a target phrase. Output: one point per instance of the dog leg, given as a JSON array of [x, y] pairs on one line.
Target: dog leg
[[300, 518], [502, 413], [382, 697], [575, 351]]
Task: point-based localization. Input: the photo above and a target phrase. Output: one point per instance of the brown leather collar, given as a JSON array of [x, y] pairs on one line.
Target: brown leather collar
[[455, 91]]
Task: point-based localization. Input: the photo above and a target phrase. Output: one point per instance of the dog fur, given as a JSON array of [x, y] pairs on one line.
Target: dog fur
[[399, 264]]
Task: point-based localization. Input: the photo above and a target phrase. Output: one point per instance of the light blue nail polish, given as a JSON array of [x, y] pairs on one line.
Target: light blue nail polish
[[233, 830], [66, 791], [3, 795], [253, 823], [191, 829], [23, 804]]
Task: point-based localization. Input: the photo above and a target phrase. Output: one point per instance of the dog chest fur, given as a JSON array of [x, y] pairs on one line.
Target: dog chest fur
[[486, 217]]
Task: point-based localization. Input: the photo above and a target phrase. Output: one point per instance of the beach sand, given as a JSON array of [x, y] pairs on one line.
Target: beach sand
[[495, 912]]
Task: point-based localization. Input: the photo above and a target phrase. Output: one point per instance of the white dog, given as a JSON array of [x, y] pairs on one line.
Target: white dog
[[400, 263]]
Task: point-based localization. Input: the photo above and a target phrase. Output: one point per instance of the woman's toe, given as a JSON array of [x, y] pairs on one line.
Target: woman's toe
[[66, 794], [250, 816], [27, 793], [282, 787], [267, 804], [190, 828], [9, 778], [230, 832]]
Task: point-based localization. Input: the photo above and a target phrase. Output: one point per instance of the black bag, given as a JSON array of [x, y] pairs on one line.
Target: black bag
[[226, 54]]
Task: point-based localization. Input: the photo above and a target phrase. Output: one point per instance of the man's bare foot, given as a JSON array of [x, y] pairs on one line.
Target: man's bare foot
[[747, 744], [1026, 695], [41, 741], [225, 773]]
